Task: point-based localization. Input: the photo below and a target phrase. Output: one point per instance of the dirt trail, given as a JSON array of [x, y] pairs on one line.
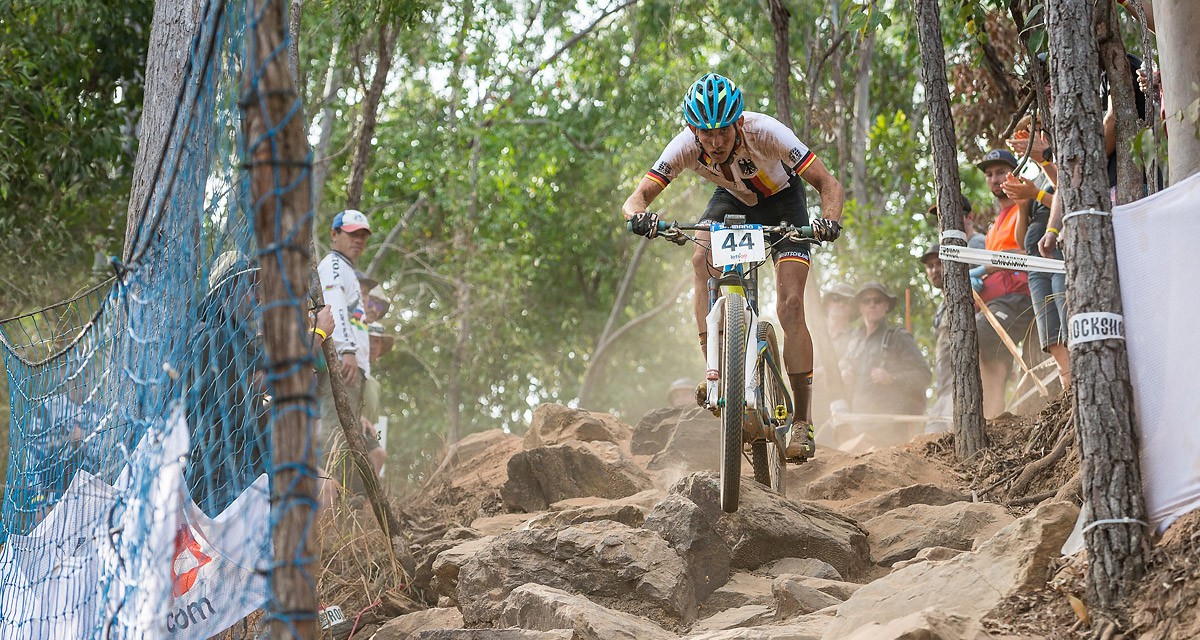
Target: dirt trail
[[919, 510]]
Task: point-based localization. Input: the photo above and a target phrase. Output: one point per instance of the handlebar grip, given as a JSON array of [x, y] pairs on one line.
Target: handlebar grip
[[662, 225]]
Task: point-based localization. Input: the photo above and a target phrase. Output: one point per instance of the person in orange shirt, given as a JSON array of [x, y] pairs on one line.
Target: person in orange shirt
[[1004, 291]]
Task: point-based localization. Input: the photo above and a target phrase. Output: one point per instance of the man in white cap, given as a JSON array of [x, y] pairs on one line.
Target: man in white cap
[[348, 237]]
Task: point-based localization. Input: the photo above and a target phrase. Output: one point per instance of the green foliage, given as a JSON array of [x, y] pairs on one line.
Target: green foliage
[[70, 94], [524, 149]]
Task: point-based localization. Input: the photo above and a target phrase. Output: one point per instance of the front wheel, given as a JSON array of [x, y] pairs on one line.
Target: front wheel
[[733, 415]]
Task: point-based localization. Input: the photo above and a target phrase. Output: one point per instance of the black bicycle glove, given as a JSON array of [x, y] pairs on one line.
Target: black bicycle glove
[[644, 224], [826, 230]]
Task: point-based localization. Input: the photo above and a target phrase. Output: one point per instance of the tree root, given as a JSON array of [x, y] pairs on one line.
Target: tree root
[[1034, 468], [1072, 489]]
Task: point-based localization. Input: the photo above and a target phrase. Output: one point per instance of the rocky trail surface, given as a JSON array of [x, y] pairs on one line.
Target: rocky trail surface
[[589, 529]]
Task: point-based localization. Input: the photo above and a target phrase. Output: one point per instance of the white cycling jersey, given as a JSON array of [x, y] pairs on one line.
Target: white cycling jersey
[[342, 294], [761, 166]]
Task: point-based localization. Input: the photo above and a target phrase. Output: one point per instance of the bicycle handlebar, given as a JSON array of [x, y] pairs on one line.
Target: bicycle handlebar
[[803, 233]]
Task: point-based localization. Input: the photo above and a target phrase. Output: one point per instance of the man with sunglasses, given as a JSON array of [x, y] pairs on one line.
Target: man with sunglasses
[[884, 368], [757, 164]]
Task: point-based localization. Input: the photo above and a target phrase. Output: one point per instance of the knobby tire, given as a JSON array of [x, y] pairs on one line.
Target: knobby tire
[[733, 376]]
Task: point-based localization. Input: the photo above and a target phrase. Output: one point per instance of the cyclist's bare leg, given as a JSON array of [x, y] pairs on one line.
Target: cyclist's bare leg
[[790, 278]]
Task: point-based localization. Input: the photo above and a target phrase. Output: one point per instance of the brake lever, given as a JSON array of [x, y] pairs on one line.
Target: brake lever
[[675, 235]]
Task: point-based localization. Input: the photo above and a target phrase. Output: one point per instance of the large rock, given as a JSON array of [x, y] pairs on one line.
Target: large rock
[[970, 585], [502, 523], [811, 567], [654, 430], [631, 570], [930, 624], [904, 497], [627, 514], [426, 555], [794, 598], [741, 590], [467, 483], [691, 533], [767, 527], [750, 615], [491, 634], [541, 476], [849, 479], [840, 590], [542, 608], [809, 627], [931, 554], [555, 424], [692, 445], [407, 625], [900, 533], [448, 563]]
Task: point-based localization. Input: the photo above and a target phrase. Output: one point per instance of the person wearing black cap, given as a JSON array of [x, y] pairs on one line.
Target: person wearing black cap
[[975, 240], [883, 367]]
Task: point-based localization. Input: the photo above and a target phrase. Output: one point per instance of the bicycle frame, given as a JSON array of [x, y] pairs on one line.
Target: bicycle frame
[[731, 276]]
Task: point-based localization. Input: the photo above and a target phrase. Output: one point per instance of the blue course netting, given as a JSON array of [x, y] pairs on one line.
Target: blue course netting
[[137, 501]]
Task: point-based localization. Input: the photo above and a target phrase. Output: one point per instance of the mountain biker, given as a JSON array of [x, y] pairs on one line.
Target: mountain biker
[[756, 163]]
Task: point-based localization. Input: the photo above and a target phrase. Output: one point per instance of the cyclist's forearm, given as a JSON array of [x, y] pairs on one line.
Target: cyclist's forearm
[[832, 200], [647, 190]]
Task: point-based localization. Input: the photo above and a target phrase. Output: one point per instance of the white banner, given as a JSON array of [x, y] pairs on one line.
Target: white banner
[[1017, 261], [1156, 252], [132, 561], [219, 568]]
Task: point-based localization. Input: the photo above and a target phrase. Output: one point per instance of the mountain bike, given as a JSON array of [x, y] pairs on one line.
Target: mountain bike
[[749, 394]]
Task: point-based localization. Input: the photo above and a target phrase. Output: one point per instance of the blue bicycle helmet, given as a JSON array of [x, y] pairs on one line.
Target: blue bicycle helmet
[[712, 102]]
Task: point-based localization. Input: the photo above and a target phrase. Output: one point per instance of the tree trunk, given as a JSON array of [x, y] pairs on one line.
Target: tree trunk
[[171, 33], [1176, 23], [970, 430], [783, 67], [1112, 483], [1120, 88], [279, 162], [862, 124], [370, 113]]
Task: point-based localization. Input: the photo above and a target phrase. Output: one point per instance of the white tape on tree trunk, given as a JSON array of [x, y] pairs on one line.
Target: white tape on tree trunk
[[1004, 260], [1093, 326]]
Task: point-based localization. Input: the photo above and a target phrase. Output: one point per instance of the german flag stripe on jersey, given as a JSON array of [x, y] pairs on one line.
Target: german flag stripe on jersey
[[799, 259], [763, 185], [658, 177], [804, 162]]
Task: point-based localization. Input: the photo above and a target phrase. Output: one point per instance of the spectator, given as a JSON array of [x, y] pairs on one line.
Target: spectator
[[348, 236], [943, 398], [883, 367], [1005, 292], [1047, 291], [840, 314], [975, 240], [377, 307]]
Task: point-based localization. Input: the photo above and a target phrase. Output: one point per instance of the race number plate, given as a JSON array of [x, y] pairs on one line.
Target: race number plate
[[330, 616], [741, 243]]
